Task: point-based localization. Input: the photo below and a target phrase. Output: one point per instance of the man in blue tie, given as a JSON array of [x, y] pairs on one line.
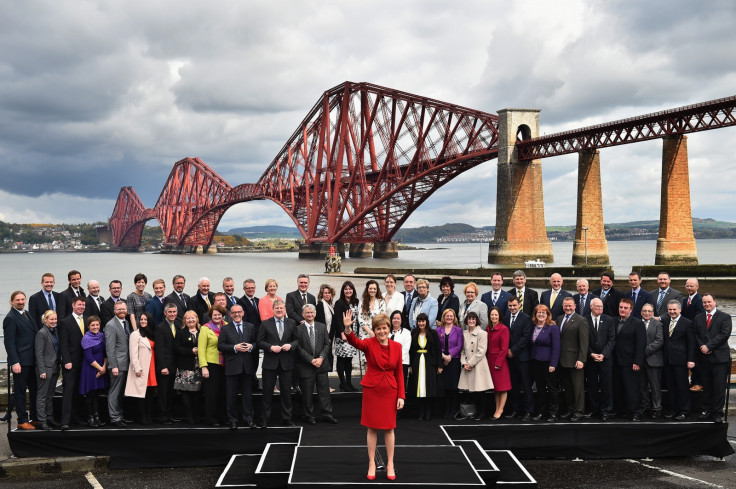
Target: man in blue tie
[[237, 344], [44, 300]]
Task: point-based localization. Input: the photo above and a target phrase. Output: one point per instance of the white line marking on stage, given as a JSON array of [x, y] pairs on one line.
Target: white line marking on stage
[[93, 480], [675, 474]]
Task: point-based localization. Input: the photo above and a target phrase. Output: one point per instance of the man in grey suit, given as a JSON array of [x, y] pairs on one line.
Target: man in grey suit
[[663, 295], [237, 343], [277, 338], [651, 377], [117, 332], [296, 299], [574, 339], [599, 368], [312, 367]]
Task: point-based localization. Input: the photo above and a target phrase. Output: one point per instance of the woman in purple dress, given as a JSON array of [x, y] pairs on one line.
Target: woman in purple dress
[[93, 378], [451, 343]]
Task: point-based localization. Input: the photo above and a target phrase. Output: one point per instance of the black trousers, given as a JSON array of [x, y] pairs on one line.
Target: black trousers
[[307, 384], [714, 377], [242, 382], [269, 382], [521, 378], [547, 388], [25, 380], [678, 387], [165, 391], [600, 377], [214, 394], [70, 398], [627, 389]]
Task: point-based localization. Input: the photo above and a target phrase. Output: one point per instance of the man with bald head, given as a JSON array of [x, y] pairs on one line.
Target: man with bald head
[[93, 301], [692, 306], [553, 297], [203, 299]]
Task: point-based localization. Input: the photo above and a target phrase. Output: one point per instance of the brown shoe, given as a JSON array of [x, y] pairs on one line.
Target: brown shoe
[[36, 423], [696, 388], [26, 426]]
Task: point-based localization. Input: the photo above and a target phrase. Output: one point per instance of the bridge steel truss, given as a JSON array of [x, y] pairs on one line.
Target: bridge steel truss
[[358, 165], [713, 114]]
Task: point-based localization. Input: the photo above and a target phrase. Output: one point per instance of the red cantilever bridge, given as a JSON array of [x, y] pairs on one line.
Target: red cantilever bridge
[[365, 157]]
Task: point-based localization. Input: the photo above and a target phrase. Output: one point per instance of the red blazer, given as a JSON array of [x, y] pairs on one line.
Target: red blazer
[[376, 368]]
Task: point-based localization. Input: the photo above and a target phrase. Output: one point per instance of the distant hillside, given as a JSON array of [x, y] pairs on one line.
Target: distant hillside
[[266, 232], [460, 232]]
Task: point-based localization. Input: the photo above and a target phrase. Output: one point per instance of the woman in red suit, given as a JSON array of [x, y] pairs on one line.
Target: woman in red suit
[[498, 347], [383, 387]]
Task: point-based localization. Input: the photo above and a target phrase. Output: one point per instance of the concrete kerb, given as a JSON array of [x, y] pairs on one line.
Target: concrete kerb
[[20, 467]]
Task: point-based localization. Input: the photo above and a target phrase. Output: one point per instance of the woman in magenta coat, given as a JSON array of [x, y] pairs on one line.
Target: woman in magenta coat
[[383, 387], [498, 347]]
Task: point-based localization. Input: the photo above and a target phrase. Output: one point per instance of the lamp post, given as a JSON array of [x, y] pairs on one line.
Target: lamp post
[[585, 238]]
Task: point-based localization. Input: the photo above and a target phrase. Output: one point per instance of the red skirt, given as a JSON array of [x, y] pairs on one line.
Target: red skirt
[[379, 406]]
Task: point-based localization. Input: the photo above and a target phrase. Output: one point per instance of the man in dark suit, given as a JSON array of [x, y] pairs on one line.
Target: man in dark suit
[[651, 376], [663, 295], [409, 294], [583, 297], [228, 288], [528, 298], [296, 299], [203, 299], [519, 357], [93, 301], [43, 300], [609, 294], [574, 339], [155, 305], [553, 297], [165, 361], [631, 338], [237, 344], [637, 295], [179, 298], [599, 367], [679, 356], [312, 365], [496, 297], [107, 309], [712, 330], [19, 333], [67, 295], [249, 301], [71, 329], [277, 338], [692, 305]]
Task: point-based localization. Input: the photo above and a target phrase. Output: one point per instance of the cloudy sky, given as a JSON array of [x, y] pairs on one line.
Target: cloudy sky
[[97, 95]]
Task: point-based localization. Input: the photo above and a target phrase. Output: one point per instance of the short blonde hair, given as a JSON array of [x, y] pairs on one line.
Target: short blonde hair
[[47, 315], [268, 282], [473, 286]]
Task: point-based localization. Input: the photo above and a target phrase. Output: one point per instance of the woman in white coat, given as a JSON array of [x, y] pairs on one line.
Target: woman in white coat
[[475, 376], [141, 382]]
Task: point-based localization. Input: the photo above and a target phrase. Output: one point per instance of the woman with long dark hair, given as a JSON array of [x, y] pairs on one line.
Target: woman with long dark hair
[[141, 382], [426, 364], [348, 301], [93, 374]]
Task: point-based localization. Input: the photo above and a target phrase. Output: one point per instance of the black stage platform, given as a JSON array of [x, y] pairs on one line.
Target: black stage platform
[[335, 454]]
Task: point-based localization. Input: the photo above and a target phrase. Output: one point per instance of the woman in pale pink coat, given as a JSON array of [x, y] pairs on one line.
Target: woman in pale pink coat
[[141, 382]]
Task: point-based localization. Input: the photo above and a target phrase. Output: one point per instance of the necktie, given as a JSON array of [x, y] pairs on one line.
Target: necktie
[[207, 300], [495, 298], [311, 338], [672, 326], [183, 300], [521, 299], [232, 300], [304, 299], [161, 299], [689, 300], [659, 301], [125, 327], [408, 302], [596, 325], [603, 294], [81, 324], [554, 298], [50, 301], [280, 327], [563, 324], [633, 296], [707, 323], [581, 306], [173, 330], [620, 325], [99, 301], [513, 318], [240, 331]]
